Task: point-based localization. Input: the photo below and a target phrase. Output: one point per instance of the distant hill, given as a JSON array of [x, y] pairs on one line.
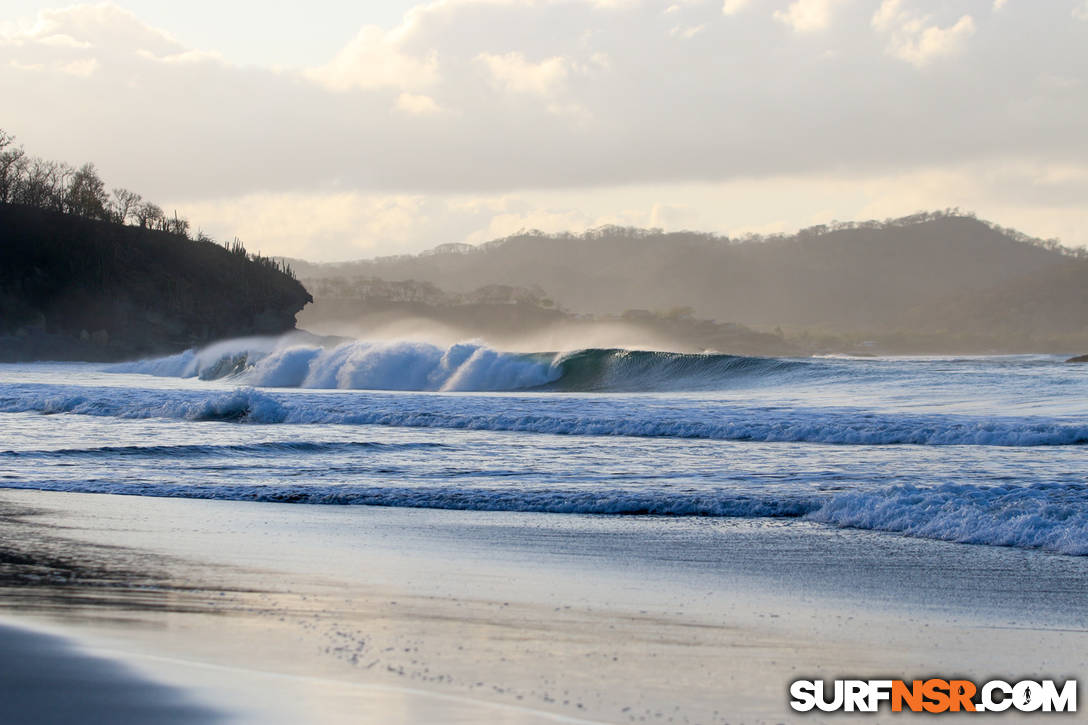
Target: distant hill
[[73, 287], [928, 282], [1043, 308], [515, 317]]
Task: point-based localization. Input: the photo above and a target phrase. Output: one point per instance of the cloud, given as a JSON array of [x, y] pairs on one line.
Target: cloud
[[512, 72], [1080, 12], [913, 38], [1042, 199], [417, 104], [806, 16], [98, 25], [549, 96], [81, 68], [342, 225], [889, 14], [732, 7], [374, 59], [686, 32]]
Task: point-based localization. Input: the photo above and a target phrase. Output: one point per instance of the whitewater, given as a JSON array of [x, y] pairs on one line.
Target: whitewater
[[977, 450]]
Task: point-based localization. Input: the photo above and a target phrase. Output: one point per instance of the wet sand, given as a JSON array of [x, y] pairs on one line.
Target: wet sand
[[291, 613], [47, 680]]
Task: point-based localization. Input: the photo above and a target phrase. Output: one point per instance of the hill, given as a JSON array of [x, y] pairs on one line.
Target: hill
[[931, 282], [513, 317], [1041, 309], [73, 287]]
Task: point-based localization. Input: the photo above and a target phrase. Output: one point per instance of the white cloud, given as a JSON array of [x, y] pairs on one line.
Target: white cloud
[[1080, 12], [686, 32], [889, 14], [914, 38], [1000, 4], [732, 7], [677, 7], [512, 72], [81, 68], [416, 104], [673, 216], [29, 67], [318, 226], [374, 59], [104, 25], [63, 41], [806, 16]]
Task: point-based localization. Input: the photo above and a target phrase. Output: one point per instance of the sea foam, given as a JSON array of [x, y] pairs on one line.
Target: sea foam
[[356, 365], [543, 414], [1053, 517]]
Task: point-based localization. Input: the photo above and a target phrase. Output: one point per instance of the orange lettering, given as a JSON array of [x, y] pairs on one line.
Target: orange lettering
[[911, 695], [936, 692], [961, 692]]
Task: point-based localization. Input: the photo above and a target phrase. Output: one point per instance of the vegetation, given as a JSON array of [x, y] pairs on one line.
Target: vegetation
[[930, 282], [516, 316], [59, 187], [84, 275]]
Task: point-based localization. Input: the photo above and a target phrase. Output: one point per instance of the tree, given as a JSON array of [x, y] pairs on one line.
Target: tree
[[149, 215], [124, 205], [13, 164], [59, 187], [177, 225], [43, 184], [86, 195]]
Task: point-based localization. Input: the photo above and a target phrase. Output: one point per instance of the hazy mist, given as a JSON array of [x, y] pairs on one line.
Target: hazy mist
[[936, 281]]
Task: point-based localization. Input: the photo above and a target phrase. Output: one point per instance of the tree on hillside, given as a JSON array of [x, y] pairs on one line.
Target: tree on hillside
[[86, 196], [124, 204], [13, 162], [177, 225], [36, 182], [43, 184], [149, 215]]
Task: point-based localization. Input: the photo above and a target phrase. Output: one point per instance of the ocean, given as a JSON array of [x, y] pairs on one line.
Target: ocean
[[975, 450]]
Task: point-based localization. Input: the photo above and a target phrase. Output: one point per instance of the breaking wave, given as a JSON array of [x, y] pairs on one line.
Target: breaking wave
[[1050, 517], [1053, 517], [400, 365], [719, 421]]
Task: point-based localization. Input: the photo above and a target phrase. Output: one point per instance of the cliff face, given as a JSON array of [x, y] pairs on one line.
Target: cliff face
[[77, 289]]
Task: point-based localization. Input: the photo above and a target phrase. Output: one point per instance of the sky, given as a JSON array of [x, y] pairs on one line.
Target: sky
[[335, 130]]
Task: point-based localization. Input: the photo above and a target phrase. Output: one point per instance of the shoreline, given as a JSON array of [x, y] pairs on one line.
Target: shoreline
[[47, 679], [122, 686], [527, 617]]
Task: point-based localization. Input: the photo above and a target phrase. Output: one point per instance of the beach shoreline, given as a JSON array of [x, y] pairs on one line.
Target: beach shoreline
[[525, 617]]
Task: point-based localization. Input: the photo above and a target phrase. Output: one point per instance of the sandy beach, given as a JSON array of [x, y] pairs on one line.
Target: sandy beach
[[301, 613]]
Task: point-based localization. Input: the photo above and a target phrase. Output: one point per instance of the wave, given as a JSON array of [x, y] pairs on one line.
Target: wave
[[1053, 517], [842, 426], [530, 500], [356, 365], [265, 448], [1050, 517], [641, 370], [400, 365]]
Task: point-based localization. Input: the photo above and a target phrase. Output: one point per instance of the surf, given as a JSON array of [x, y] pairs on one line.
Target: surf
[[544, 414], [463, 367]]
